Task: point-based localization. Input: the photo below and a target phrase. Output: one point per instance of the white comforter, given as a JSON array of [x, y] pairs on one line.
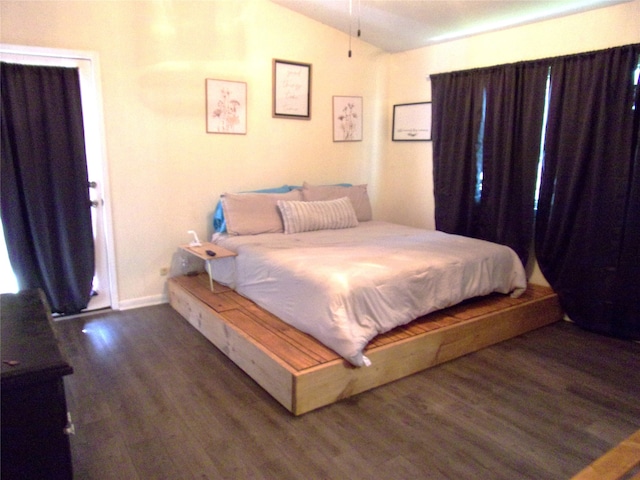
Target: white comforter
[[344, 287]]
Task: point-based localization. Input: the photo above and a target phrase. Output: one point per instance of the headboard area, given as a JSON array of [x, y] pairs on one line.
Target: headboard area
[[257, 211]]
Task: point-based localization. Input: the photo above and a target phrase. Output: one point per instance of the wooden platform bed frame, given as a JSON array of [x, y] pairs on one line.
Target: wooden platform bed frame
[[622, 462], [303, 375]]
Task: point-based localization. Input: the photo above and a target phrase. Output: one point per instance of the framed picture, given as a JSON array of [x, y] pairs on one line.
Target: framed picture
[[291, 90], [347, 119], [411, 122], [226, 106]]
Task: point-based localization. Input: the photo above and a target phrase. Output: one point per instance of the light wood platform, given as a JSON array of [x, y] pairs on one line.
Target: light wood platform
[[302, 374], [622, 462]]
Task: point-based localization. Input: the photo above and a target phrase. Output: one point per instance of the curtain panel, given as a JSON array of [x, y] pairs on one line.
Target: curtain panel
[[457, 106], [44, 195], [485, 174], [588, 221]]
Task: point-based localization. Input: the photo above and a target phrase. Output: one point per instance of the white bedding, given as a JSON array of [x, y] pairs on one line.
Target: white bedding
[[346, 286]]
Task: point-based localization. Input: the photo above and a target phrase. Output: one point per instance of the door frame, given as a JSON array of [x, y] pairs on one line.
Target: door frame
[[95, 144]]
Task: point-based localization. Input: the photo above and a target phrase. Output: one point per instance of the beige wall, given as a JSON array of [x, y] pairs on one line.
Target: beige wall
[[166, 173]]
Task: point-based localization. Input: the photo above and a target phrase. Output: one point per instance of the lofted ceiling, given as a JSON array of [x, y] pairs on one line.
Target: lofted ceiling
[[400, 25]]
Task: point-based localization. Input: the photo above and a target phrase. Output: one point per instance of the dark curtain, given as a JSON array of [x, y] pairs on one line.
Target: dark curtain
[[457, 106], [44, 194], [485, 173], [588, 221], [511, 153]]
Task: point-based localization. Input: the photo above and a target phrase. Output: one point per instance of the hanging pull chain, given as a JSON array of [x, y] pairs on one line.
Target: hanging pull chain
[[350, 21]]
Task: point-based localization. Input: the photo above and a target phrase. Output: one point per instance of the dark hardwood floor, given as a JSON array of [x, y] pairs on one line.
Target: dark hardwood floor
[[153, 399]]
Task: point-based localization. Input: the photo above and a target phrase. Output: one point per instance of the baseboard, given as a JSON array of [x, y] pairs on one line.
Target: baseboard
[[143, 301]]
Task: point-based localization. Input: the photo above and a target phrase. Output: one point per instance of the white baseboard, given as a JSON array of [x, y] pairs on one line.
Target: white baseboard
[[143, 302]]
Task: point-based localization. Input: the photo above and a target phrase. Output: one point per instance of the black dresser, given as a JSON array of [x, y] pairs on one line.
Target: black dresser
[[35, 443]]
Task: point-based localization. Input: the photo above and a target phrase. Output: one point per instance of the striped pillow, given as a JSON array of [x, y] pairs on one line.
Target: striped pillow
[[307, 216]]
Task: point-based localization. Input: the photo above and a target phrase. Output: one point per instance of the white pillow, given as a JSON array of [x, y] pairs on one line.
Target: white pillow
[[254, 213], [307, 216], [356, 193]]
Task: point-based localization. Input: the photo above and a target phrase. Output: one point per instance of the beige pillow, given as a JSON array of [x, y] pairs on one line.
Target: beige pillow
[[308, 216], [254, 213], [356, 193]]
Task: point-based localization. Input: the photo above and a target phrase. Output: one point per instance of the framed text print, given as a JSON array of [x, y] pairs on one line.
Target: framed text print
[[291, 90], [347, 119], [226, 106], [412, 122]]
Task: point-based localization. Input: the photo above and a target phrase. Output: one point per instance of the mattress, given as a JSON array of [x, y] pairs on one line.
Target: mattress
[[344, 287]]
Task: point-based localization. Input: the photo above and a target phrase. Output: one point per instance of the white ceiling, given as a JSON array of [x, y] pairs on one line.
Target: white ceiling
[[400, 25]]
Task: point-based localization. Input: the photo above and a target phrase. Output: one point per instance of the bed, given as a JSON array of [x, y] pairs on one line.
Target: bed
[[346, 286], [322, 301]]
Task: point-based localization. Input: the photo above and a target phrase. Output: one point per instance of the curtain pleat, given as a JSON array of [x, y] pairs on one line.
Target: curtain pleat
[[511, 152], [44, 198]]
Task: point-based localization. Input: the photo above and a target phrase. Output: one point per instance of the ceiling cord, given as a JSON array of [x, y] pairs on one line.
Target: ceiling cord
[[351, 22]]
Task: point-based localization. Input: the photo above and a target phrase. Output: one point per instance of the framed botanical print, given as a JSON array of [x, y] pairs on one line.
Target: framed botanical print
[[226, 106], [347, 119]]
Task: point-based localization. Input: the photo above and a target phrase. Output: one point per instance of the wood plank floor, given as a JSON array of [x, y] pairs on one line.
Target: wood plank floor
[[152, 398]]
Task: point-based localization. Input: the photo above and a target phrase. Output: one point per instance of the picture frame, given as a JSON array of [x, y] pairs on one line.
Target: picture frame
[[226, 106], [347, 119], [291, 90], [411, 122]]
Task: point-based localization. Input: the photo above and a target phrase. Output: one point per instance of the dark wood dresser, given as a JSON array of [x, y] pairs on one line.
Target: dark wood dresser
[[35, 443]]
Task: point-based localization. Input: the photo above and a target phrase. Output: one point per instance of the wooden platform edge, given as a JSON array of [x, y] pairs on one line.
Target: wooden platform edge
[[309, 389], [337, 380], [272, 375], [616, 464]]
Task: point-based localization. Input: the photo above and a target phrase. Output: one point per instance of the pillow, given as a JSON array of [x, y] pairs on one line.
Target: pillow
[[253, 213], [220, 224], [307, 216], [356, 193]]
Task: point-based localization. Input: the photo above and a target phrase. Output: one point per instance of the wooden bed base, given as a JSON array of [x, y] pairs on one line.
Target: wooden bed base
[[620, 463], [302, 374]]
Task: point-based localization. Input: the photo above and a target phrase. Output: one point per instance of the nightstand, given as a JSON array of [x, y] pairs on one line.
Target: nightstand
[[200, 251]]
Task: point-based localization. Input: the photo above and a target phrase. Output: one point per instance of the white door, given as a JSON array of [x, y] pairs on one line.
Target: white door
[[104, 278]]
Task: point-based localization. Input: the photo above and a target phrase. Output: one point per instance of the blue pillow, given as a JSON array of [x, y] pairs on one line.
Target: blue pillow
[[219, 223]]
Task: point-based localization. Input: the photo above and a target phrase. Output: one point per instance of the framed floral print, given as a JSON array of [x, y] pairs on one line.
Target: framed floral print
[[226, 106], [347, 119]]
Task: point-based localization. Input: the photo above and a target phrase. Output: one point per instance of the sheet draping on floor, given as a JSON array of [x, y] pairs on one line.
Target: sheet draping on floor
[[346, 286]]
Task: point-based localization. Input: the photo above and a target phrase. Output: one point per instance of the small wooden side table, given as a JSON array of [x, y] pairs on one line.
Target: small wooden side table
[[200, 251]]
